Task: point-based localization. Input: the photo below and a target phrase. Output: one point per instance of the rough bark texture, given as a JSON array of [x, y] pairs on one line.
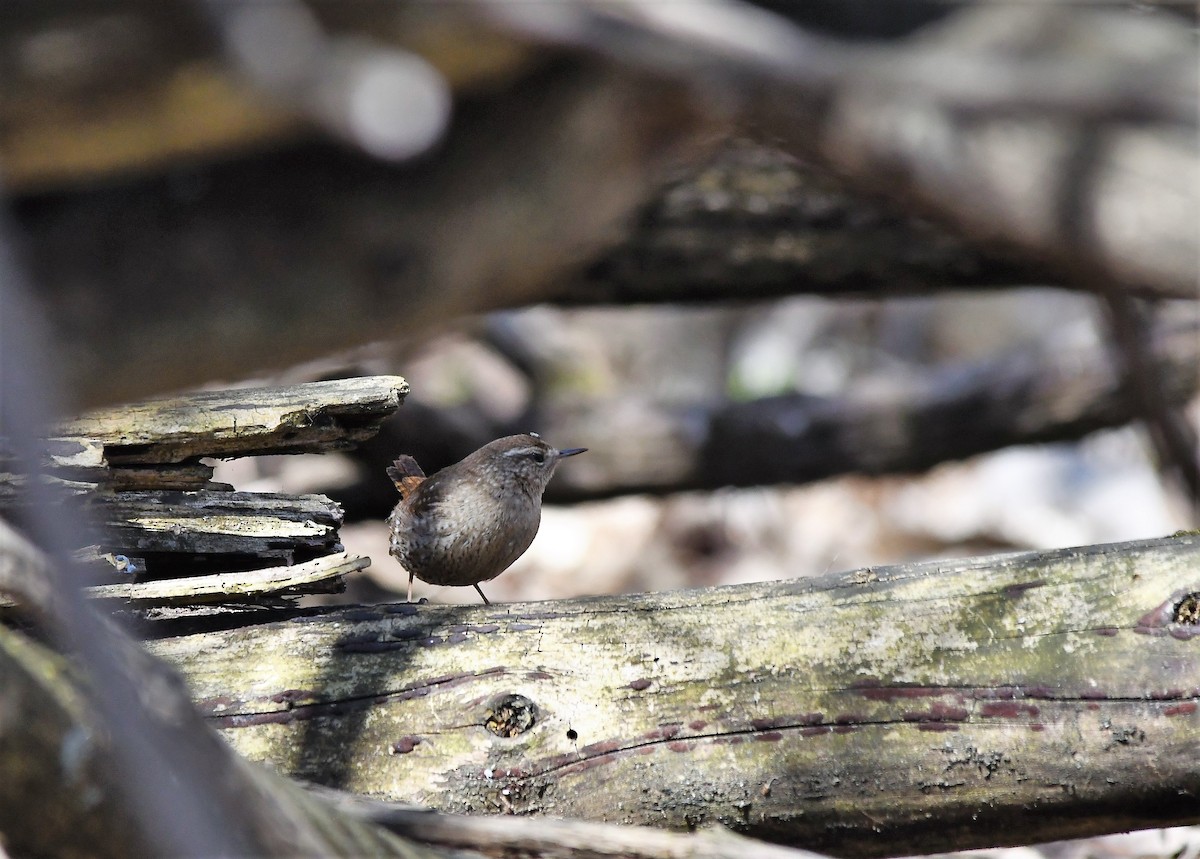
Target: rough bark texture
[[533, 837], [893, 710], [286, 580], [158, 444], [185, 524], [112, 467]]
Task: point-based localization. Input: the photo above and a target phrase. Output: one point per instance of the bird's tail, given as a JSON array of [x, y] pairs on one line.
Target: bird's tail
[[406, 474]]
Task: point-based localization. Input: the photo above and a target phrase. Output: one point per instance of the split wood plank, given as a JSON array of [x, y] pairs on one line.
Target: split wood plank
[[228, 587], [233, 586], [197, 523], [306, 418]]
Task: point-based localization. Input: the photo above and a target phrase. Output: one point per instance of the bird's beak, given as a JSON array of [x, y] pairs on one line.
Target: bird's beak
[[571, 451]]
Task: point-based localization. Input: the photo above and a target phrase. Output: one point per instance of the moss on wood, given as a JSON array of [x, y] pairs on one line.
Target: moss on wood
[[944, 705]]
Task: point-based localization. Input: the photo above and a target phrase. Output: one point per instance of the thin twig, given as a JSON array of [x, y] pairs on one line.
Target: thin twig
[[1173, 437]]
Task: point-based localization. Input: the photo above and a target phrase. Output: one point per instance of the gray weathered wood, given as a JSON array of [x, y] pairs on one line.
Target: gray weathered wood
[[264, 524], [304, 418], [158, 444], [111, 467], [232, 586], [63, 792], [950, 704], [536, 837]]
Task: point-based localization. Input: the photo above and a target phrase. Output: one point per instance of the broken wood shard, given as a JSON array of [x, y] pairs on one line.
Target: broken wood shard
[[147, 506], [201, 523], [230, 586], [306, 418]]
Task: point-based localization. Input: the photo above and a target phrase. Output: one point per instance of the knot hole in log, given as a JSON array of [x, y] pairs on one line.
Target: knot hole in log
[[511, 715], [1187, 611]]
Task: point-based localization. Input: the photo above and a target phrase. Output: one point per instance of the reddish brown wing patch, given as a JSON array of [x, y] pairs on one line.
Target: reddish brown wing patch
[[406, 474]]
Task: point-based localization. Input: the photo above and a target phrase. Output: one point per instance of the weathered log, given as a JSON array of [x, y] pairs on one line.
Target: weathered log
[[63, 795], [189, 477], [78, 809], [158, 444], [754, 223], [932, 706], [318, 576], [538, 837], [211, 529]]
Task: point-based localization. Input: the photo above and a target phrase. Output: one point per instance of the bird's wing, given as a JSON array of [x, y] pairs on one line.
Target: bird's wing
[[406, 474]]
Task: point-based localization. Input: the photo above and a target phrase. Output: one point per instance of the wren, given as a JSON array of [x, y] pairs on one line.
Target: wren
[[468, 522]]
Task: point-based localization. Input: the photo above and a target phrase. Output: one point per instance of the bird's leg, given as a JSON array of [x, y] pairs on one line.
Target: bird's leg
[[486, 601], [410, 580]]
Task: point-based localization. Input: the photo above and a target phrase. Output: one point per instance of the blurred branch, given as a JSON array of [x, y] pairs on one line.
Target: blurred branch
[[313, 250], [754, 223], [309, 249], [389, 103], [1049, 392], [1173, 436], [974, 117]]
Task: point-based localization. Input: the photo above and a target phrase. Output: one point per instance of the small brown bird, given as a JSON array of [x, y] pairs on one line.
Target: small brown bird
[[468, 522]]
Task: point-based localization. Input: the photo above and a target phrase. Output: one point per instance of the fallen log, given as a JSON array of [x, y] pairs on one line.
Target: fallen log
[[906, 709], [77, 785]]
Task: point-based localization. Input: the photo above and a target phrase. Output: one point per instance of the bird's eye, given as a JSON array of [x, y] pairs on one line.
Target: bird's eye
[[538, 456]]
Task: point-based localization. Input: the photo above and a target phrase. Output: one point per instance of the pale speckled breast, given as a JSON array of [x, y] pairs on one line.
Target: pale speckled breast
[[462, 544]]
